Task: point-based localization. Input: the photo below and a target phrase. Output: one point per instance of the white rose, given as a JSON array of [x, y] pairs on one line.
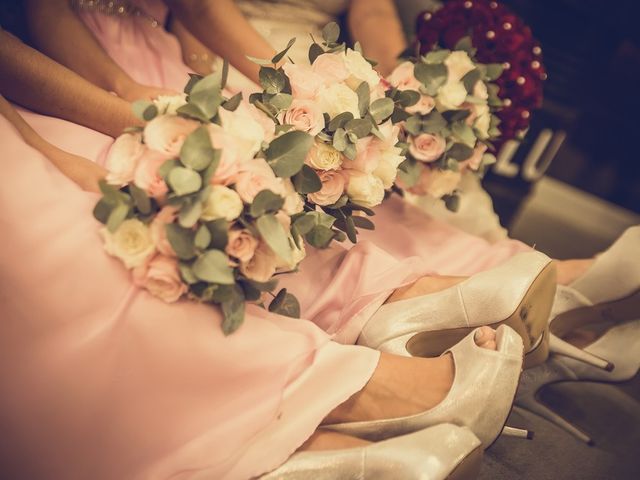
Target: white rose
[[451, 96], [364, 188], [222, 202], [338, 98], [482, 121], [123, 158], [442, 182], [390, 159], [359, 68], [293, 202], [131, 242], [169, 104], [324, 157], [480, 90], [458, 65], [244, 129], [297, 255], [167, 133]]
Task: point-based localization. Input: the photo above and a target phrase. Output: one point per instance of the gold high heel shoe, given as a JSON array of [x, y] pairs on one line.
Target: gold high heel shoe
[[436, 453]]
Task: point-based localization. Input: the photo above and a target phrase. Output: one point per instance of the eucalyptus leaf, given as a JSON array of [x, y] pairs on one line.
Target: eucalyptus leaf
[[117, 216], [460, 151], [470, 80], [274, 235], [350, 151], [265, 202], [213, 266], [193, 79], [140, 199], [181, 241], [233, 103], [202, 238], [432, 76], [466, 45], [437, 56], [364, 97], [189, 214], [208, 173], [381, 109], [196, 151], [331, 33], [192, 111], [319, 236], [409, 172], [271, 80], [434, 122], [340, 139], [286, 154], [285, 304], [102, 210], [281, 101], [279, 56], [144, 110], [305, 223], [184, 180], [464, 133], [360, 127], [233, 311], [219, 233], [413, 125], [363, 222], [407, 98], [452, 202], [186, 274], [315, 51], [493, 71], [339, 121], [307, 181]]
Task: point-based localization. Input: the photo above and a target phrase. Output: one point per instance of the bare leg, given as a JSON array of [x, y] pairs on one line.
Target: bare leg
[[570, 270]]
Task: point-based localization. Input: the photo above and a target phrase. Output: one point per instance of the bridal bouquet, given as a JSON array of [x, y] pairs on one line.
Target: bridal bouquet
[[336, 109], [445, 100], [191, 210]]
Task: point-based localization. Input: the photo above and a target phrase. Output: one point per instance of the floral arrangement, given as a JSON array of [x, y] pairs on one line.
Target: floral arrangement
[[192, 208], [445, 100], [499, 36], [338, 102]]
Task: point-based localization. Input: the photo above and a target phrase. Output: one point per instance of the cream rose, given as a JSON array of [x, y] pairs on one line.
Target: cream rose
[[297, 255], [254, 177], [458, 65], [482, 122], [337, 98], [364, 188], [324, 157], [451, 96], [169, 104], [158, 231], [305, 82], [436, 182], [387, 171], [331, 67], [167, 133], [332, 188], [305, 115], [147, 177], [480, 90], [293, 202], [222, 202], [123, 158], [161, 278], [359, 68], [403, 78], [131, 242], [247, 133], [262, 265], [241, 244], [427, 147]]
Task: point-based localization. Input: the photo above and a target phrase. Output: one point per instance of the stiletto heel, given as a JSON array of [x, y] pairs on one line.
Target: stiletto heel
[[532, 381], [480, 397], [441, 452], [517, 433], [560, 347]]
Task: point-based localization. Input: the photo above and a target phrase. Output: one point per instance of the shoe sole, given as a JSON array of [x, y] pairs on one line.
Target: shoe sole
[[469, 467], [530, 320], [608, 314]]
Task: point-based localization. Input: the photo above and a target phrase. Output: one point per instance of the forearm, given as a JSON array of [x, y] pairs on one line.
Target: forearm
[[366, 20], [222, 28], [36, 82], [58, 31], [80, 170]]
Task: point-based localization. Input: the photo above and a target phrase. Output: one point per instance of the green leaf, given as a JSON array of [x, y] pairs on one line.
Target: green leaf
[[187, 274], [470, 80], [319, 236], [189, 214], [340, 139], [409, 172], [305, 223], [352, 233], [213, 266], [192, 111], [413, 125], [350, 151], [363, 222], [196, 151], [493, 71], [452, 202], [225, 73], [273, 233], [117, 216], [265, 202], [364, 97], [281, 101], [140, 199], [184, 180], [434, 122], [202, 238], [460, 152], [339, 121], [315, 51], [360, 127], [399, 115], [464, 133], [233, 311], [272, 80], [307, 181], [407, 98], [285, 304], [466, 45], [233, 103], [193, 79], [102, 210], [331, 33], [206, 94], [432, 76], [208, 173], [281, 55], [181, 241], [437, 56], [381, 109], [286, 154], [144, 110], [219, 233], [452, 116]]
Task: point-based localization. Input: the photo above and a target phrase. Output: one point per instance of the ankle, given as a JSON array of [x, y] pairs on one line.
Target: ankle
[[570, 270]]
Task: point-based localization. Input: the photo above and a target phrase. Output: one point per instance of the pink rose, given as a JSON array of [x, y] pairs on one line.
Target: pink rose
[[262, 265], [254, 177], [436, 182], [158, 231], [123, 158], [424, 105], [367, 155], [305, 115], [268, 127], [332, 188], [331, 67], [305, 83], [230, 159], [427, 147], [167, 133], [147, 177], [241, 244], [475, 160], [403, 79], [161, 278]]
